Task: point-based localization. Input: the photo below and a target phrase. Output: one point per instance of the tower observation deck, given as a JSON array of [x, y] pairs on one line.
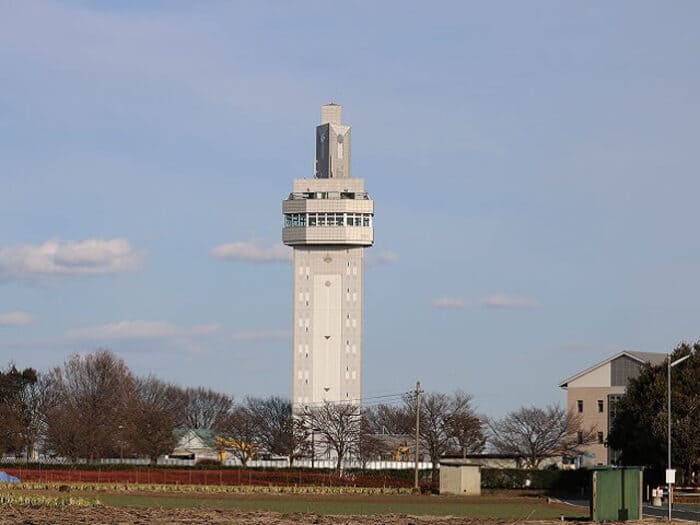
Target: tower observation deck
[[328, 221]]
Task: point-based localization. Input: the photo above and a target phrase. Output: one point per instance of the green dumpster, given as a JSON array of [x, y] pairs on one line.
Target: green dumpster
[[616, 493]]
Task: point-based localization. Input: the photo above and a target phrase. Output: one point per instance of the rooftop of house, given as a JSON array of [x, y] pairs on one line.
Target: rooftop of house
[[653, 358], [205, 435]]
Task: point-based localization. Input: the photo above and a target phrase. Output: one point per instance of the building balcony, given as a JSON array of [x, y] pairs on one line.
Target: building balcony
[[323, 205], [319, 235]]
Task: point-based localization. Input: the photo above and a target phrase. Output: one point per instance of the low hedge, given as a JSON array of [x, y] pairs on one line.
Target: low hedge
[[552, 480]]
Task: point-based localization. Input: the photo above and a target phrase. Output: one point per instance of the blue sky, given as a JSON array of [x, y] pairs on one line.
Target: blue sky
[[534, 167]]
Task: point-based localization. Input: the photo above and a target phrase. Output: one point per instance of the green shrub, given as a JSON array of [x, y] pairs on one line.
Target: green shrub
[[551, 480]]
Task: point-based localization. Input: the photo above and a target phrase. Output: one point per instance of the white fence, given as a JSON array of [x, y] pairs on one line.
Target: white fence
[[330, 464], [104, 461], [234, 462]]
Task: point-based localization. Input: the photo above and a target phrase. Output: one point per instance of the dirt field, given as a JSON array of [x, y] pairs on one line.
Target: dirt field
[[132, 516], [109, 515], [141, 507]]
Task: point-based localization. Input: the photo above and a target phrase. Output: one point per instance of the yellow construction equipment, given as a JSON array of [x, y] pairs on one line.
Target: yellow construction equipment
[[402, 452], [222, 444]]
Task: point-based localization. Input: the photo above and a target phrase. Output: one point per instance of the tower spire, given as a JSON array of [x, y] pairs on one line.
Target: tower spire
[[332, 145], [331, 113]]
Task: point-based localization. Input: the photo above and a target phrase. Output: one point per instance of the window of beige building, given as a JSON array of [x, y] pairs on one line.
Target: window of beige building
[[579, 406], [600, 406]]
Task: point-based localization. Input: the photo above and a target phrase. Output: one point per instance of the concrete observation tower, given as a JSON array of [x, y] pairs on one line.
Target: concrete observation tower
[[328, 221]]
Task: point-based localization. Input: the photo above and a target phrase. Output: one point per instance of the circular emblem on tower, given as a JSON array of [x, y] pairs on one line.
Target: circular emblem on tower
[[327, 259], [327, 283]]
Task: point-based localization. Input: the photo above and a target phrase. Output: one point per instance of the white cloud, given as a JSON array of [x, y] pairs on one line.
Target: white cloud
[[16, 319], [67, 258], [448, 302], [140, 329], [509, 302], [262, 335], [383, 257], [252, 252], [127, 330], [205, 329]]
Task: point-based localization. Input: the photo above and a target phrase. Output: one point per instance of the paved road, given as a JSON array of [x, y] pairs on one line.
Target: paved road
[[681, 512]]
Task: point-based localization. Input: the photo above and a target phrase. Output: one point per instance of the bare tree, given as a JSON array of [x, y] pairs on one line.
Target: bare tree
[[64, 436], [339, 427], [279, 432], [19, 410], [152, 421], [169, 397], [36, 399], [389, 419], [299, 444], [240, 434], [271, 417], [94, 394], [447, 424], [205, 408], [370, 444], [467, 432], [538, 433]]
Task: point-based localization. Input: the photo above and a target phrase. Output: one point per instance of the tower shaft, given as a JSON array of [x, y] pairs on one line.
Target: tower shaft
[[328, 221]]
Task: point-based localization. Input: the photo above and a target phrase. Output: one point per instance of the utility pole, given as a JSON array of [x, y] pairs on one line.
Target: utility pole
[[671, 474], [416, 487], [668, 484]]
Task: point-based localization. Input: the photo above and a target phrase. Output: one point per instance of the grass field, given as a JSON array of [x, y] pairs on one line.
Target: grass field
[[474, 507], [173, 499]]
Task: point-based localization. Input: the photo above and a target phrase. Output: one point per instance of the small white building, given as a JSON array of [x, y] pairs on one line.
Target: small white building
[[196, 444], [460, 478]]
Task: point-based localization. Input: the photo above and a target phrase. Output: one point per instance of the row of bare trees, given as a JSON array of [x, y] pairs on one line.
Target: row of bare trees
[[94, 407], [448, 424]]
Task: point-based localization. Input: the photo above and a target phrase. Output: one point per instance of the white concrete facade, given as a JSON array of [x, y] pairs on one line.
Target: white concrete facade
[[328, 221]]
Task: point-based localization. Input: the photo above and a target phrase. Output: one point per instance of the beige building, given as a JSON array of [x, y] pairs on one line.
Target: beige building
[[328, 221], [459, 478], [594, 392]]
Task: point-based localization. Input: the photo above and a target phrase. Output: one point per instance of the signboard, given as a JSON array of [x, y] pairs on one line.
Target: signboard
[[670, 475]]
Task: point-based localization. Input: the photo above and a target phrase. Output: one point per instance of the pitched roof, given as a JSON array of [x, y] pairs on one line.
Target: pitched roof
[[653, 358], [205, 435]]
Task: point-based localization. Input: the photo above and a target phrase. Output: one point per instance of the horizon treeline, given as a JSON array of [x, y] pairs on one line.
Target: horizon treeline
[[93, 407]]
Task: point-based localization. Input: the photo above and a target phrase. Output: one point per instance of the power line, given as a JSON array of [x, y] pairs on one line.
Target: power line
[[418, 392], [365, 401]]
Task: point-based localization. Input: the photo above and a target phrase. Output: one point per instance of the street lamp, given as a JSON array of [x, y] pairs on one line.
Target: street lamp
[[670, 478], [313, 446], [121, 444]]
